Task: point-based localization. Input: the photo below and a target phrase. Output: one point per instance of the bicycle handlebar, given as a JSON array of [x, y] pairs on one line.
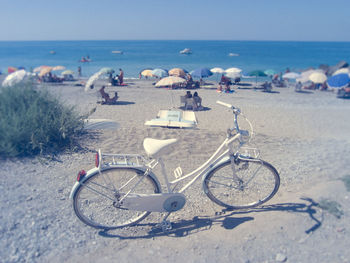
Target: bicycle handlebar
[[236, 111], [225, 104]]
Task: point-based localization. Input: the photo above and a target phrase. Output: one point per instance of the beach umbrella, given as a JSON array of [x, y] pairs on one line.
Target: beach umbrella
[[304, 76], [177, 72], [233, 75], [161, 73], [92, 80], [270, 72], [44, 71], [318, 77], [147, 73], [38, 69], [291, 75], [170, 81], [16, 78], [11, 70], [201, 73], [106, 70], [67, 72], [339, 80], [233, 70], [58, 68], [257, 73], [217, 70], [341, 71], [339, 65]]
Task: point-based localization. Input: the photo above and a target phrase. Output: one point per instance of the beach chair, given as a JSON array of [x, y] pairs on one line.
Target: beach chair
[[183, 101], [190, 104]]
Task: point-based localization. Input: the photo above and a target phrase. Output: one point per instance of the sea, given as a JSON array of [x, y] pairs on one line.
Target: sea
[[134, 56]]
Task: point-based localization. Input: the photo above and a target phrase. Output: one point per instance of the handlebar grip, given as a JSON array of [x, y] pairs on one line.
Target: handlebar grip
[[225, 104]]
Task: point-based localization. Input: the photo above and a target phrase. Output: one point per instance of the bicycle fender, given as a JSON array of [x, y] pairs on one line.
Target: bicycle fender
[[88, 174], [95, 170], [224, 159]]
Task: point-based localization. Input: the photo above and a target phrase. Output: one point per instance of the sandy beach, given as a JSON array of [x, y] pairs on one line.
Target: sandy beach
[[304, 135]]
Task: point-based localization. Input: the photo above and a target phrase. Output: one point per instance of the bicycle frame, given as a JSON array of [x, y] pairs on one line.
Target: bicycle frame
[[210, 164]]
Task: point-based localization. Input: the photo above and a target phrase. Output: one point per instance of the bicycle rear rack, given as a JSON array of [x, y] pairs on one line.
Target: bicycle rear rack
[[135, 160]]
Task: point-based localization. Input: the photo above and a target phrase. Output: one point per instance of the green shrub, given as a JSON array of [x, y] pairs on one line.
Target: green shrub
[[34, 122]]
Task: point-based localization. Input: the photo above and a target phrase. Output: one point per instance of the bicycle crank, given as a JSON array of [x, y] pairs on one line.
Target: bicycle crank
[[164, 202]]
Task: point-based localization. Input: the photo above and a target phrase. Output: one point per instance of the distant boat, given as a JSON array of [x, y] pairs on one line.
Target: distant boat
[[233, 54], [52, 52], [117, 52], [186, 51]]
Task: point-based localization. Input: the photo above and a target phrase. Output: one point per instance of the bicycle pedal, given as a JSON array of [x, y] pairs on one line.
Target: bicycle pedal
[[178, 172], [166, 226]]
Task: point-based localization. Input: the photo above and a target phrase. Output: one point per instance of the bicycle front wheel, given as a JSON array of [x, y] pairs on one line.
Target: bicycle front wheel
[[246, 183], [95, 201]]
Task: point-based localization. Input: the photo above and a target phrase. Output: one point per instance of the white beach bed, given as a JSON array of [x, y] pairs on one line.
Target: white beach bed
[[174, 119]]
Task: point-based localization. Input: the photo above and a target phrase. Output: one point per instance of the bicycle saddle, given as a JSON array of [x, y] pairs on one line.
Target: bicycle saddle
[[154, 146]]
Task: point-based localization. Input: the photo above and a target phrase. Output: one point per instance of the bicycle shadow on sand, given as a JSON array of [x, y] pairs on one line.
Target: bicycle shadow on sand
[[226, 218]]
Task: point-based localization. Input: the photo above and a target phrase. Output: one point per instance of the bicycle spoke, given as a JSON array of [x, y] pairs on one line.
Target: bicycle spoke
[[96, 202], [258, 182]]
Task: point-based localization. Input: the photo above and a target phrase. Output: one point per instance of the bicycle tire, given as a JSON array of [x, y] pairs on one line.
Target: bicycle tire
[[94, 199], [260, 181]]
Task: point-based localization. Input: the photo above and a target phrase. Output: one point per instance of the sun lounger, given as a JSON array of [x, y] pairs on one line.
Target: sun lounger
[[174, 119]]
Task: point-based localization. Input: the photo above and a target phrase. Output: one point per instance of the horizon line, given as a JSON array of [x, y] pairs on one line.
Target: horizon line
[[241, 40]]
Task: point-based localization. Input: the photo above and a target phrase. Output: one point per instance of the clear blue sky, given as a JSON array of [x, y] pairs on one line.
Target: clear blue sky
[[299, 20]]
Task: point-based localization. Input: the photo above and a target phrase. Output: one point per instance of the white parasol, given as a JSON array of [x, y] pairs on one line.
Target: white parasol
[[170, 81], [16, 78]]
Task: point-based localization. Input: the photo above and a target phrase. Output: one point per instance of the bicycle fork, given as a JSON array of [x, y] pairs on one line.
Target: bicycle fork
[[233, 161]]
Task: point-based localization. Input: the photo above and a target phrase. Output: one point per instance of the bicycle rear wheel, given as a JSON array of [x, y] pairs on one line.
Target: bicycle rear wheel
[[255, 183], [95, 201]]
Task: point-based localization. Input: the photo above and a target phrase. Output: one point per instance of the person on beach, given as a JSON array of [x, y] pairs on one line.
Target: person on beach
[[227, 88], [79, 71], [267, 86], [298, 86], [219, 89], [121, 76], [225, 80], [188, 94], [107, 99], [197, 101]]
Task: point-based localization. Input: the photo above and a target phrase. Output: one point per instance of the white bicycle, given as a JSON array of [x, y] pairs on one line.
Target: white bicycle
[[122, 189]]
